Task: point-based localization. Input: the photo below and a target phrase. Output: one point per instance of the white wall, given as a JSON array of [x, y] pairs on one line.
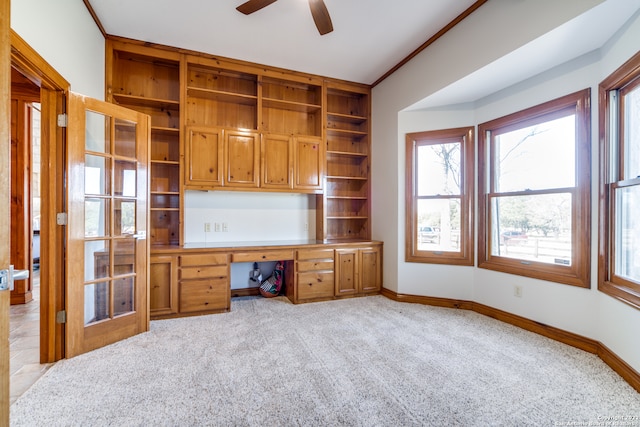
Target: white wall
[[65, 35], [249, 216], [469, 47]]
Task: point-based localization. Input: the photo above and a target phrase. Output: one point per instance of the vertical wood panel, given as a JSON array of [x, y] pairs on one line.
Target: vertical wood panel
[[21, 194], [5, 227]]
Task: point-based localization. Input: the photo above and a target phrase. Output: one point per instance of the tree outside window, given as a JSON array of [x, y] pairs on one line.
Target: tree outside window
[[439, 191], [534, 187]]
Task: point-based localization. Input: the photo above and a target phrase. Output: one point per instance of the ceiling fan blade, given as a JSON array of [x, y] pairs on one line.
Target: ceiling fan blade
[[253, 6], [321, 16]]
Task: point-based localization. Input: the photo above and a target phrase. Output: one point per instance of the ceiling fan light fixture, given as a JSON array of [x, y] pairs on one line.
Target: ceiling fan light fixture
[[319, 12]]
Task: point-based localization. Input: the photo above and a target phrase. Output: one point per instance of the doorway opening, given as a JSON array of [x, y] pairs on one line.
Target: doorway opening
[[38, 92], [24, 320]]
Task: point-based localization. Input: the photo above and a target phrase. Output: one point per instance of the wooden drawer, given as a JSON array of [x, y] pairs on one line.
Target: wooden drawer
[[315, 285], [204, 271], [305, 254], [257, 256], [203, 259], [204, 295], [315, 265]]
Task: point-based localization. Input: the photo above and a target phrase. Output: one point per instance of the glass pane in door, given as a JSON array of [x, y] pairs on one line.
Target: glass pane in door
[[110, 217], [125, 178], [123, 291], [124, 217], [97, 260], [96, 302], [125, 138], [97, 133]]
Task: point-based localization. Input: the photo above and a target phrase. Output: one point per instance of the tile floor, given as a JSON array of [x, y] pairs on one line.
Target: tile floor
[[24, 344]]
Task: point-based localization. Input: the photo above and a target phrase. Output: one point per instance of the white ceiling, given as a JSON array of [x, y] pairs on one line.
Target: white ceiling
[[370, 36], [584, 34]]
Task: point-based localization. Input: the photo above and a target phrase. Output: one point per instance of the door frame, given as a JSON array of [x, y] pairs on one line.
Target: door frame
[[53, 93], [5, 208]]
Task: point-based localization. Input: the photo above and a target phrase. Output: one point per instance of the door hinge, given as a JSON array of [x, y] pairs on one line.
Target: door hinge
[[63, 119], [61, 316], [61, 218]]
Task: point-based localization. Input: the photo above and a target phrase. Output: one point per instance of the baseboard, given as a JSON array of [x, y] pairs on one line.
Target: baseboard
[[621, 367], [245, 292], [434, 301]]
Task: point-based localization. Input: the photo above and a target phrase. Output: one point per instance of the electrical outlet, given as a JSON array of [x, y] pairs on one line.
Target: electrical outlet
[[306, 226], [225, 227], [517, 291], [207, 227], [216, 227]]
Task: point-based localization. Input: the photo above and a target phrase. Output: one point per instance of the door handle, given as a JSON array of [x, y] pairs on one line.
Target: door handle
[[140, 235], [8, 276]]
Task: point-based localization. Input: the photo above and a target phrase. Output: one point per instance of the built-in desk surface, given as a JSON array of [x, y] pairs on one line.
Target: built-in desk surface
[[195, 278]]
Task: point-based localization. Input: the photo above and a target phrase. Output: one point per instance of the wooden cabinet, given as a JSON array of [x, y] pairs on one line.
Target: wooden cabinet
[[242, 159], [204, 150], [163, 285], [346, 272], [347, 193], [148, 80], [358, 270], [308, 163], [194, 282], [314, 276], [204, 283], [277, 161], [370, 269], [223, 123]]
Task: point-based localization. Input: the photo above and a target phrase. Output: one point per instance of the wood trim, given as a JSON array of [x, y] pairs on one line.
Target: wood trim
[[556, 334], [95, 17], [52, 246], [5, 208], [425, 300], [465, 137], [623, 290], [431, 40], [52, 284], [621, 367], [579, 273]]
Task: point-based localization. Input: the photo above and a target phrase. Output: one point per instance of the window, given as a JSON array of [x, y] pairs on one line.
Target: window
[[619, 249], [439, 189], [534, 181]]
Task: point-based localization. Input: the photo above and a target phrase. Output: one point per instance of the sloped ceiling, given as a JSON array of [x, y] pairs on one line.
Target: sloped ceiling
[[370, 36]]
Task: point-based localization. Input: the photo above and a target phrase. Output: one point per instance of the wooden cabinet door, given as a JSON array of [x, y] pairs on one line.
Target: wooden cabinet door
[[204, 155], [277, 159], [370, 269], [308, 163], [242, 159], [163, 285], [346, 271]]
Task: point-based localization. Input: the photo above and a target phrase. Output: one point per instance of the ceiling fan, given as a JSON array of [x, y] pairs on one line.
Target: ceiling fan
[[318, 11]]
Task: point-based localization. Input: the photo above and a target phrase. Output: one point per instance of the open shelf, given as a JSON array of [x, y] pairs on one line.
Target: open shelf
[[150, 83], [346, 154], [139, 101], [217, 80], [290, 105], [140, 77], [221, 96], [347, 132]]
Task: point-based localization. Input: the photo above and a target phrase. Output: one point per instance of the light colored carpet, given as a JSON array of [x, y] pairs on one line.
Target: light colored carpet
[[363, 362]]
